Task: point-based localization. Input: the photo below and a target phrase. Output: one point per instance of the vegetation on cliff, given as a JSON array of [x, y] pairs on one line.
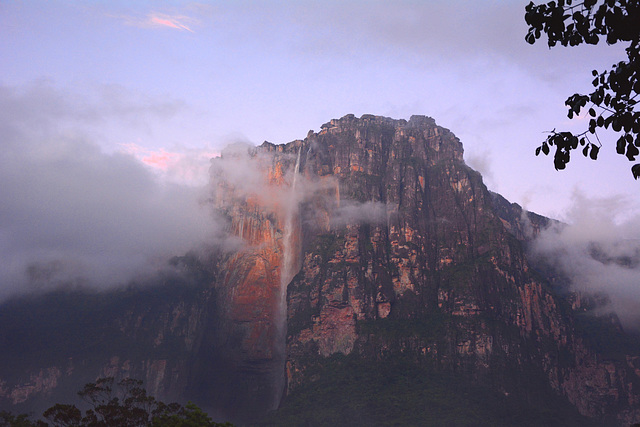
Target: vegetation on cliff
[[398, 390]]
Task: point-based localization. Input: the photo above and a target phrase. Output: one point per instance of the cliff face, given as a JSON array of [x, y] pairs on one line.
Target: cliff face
[[55, 343], [261, 205], [441, 278], [367, 250]]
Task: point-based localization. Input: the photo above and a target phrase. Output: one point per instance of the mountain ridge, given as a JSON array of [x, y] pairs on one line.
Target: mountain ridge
[[401, 260]]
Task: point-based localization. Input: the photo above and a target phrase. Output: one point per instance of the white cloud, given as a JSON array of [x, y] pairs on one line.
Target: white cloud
[[599, 252], [72, 213]]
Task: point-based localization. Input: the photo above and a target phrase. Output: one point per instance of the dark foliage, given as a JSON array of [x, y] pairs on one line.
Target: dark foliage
[[7, 419], [124, 404], [348, 390], [612, 104]]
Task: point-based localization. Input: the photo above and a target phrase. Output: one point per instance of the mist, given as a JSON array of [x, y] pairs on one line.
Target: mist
[[352, 212], [254, 174], [74, 215], [599, 252]]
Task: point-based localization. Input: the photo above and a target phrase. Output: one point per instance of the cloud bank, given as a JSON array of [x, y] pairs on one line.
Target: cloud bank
[[73, 214], [599, 253]]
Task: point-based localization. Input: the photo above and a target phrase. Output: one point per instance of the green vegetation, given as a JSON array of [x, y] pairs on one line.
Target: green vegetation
[[430, 326], [459, 275], [328, 244], [7, 419], [361, 185], [301, 319], [348, 390], [123, 404]]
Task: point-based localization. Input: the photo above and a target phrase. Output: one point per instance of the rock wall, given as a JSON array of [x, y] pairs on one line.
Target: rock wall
[[441, 259], [385, 245]]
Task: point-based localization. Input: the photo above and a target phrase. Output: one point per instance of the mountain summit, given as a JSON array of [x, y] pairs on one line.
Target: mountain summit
[[368, 277]]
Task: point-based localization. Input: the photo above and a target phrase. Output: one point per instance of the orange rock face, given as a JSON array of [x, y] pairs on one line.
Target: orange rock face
[[253, 285], [384, 244]]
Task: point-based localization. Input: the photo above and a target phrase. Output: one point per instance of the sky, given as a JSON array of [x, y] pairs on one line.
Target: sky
[[132, 98], [166, 81]]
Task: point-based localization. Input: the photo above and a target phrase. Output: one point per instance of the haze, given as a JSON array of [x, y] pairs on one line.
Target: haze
[[110, 111]]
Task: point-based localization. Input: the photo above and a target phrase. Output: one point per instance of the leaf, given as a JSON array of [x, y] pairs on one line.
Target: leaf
[[573, 141], [530, 38], [632, 152], [545, 148], [592, 112], [537, 151], [588, 4], [594, 152], [582, 101], [592, 38], [616, 125], [620, 145], [635, 170], [627, 121]]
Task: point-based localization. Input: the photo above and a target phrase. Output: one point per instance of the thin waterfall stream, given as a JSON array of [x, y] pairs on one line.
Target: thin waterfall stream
[[290, 259]]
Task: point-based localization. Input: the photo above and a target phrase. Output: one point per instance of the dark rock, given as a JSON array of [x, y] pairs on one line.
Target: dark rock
[[395, 259]]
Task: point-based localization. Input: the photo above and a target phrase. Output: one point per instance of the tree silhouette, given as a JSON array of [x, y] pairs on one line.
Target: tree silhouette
[[122, 404], [613, 101]]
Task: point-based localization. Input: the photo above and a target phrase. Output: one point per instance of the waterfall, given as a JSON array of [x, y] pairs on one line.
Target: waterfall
[[306, 157], [288, 270], [289, 256]]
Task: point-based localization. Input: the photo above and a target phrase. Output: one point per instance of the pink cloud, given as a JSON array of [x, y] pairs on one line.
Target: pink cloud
[[188, 166], [176, 22], [157, 159], [161, 20], [160, 159]]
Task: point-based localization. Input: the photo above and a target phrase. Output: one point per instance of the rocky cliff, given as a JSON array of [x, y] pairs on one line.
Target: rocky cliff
[[368, 273], [442, 278]]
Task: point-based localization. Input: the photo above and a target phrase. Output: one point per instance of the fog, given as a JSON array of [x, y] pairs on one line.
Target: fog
[[75, 215], [72, 214], [251, 174], [599, 253]]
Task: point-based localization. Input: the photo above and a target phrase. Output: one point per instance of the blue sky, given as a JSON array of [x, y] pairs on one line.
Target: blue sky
[[163, 86], [188, 76], [203, 74]]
